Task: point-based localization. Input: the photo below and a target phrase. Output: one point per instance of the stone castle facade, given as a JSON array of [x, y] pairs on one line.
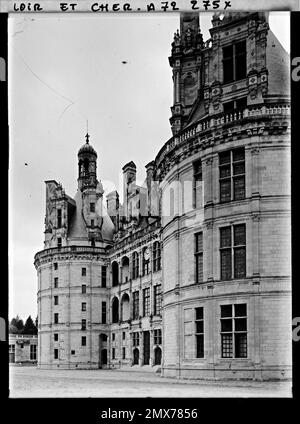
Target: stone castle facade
[[191, 273]]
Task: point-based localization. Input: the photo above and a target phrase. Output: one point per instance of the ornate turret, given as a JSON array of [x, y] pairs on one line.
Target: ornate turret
[[87, 166], [186, 61]]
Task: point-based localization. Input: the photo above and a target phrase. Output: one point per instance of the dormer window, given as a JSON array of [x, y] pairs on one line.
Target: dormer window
[[234, 62]]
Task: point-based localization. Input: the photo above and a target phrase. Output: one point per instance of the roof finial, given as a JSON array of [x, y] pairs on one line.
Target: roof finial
[[87, 132]]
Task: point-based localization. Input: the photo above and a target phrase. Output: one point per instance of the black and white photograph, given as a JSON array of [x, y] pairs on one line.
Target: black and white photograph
[[150, 205]]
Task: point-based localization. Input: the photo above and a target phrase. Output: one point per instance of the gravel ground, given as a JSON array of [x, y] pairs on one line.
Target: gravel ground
[[31, 382]]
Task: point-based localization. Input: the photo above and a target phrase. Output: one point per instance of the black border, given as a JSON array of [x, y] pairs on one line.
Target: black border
[[87, 410]]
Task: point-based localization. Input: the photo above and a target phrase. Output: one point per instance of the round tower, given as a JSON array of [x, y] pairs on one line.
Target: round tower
[[72, 273]]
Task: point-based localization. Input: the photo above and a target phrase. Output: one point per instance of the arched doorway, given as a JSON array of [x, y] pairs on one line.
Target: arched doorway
[[102, 350], [146, 347], [104, 357], [157, 356], [136, 356]]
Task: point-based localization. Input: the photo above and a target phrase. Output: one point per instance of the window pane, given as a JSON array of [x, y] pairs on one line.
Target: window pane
[[226, 311], [241, 345], [199, 268], [225, 237], [239, 188], [224, 157], [238, 155], [239, 262], [226, 264], [239, 168], [225, 191], [199, 313], [199, 242], [226, 340], [199, 326], [200, 346], [240, 65], [240, 310], [226, 325], [224, 171], [240, 324], [239, 234]]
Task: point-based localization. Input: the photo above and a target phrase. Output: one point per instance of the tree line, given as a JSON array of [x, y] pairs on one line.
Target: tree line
[[17, 326]]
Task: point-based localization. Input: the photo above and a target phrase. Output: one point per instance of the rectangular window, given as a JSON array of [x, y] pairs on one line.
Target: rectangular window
[[135, 265], [55, 353], [55, 282], [146, 302], [157, 337], [56, 318], [83, 306], [113, 336], [83, 272], [92, 223], [113, 353], [135, 305], [232, 175], [233, 255], [59, 242], [12, 348], [199, 332], [156, 256], [83, 341], [124, 353], [146, 261], [234, 331], [198, 258], [55, 337], [234, 62], [197, 185], [33, 352], [103, 313], [103, 276], [58, 218], [135, 339], [72, 352], [92, 207], [83, 289], [83, 324], [55, 266], [157, 299], [55, 300], [123, 335]]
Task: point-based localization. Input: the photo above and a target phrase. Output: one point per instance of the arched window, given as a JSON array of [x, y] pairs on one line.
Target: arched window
[[135, 265], [115, 310], [156, 256], [125, 269], [115, 273], [125, 307], [146, 261]]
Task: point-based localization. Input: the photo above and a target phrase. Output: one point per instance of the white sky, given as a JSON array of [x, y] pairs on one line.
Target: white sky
[[63, 71]]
